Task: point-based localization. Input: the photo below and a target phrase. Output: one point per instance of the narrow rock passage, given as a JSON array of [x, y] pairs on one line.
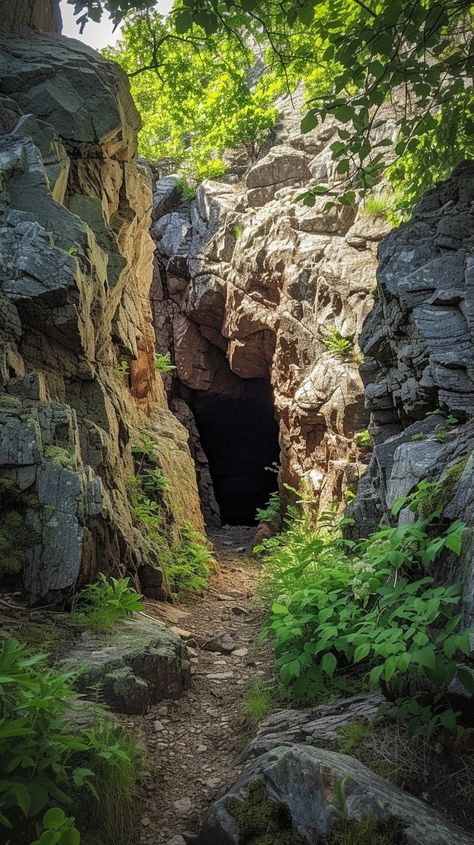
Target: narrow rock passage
[[192, 744]]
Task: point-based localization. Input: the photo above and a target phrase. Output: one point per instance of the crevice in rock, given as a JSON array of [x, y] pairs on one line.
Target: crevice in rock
[[239, 435]]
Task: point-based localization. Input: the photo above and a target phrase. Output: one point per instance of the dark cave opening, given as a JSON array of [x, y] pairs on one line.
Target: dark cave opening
[[240, 438]]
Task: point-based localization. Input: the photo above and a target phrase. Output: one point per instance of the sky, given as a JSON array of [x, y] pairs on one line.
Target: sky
[[101, 34]]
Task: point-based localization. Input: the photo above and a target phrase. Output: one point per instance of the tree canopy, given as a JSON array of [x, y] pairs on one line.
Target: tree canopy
[[353, 56]]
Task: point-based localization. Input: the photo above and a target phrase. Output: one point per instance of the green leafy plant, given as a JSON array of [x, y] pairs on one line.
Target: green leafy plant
[[48, 762], [363, 439], [163, 364], [200, 104], [117, 761], [103, 603], [144, 447], [370, 612], [57, 829], [120, 372], [338, 345], [272, 511], [36, 740], [72, 250], [61, 456], [190, 562]]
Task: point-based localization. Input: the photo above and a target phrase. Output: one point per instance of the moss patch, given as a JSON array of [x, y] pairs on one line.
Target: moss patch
[[365, 832], [61, 457], [8, 402], [261, 821], [14, 537], [50, 639], [444, 489]]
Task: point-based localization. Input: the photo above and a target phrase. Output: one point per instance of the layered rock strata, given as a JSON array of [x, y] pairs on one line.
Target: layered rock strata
[[77, 373], [419, 365]]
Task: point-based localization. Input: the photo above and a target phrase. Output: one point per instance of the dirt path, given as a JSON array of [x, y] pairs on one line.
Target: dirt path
[[192, 743]]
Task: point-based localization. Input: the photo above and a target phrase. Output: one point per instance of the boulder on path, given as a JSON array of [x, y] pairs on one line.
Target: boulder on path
[[222, 643], [135, 665], [292, 792]]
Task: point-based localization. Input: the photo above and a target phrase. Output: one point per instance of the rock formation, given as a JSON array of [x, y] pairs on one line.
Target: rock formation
[[293, 789], [253, 286], [419, 348], [77, 348]]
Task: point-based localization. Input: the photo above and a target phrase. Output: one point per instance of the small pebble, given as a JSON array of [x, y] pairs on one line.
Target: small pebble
[[182, 806]]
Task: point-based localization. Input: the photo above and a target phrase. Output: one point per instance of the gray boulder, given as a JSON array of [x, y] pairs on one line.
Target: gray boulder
[[301, 782], [138, 663]]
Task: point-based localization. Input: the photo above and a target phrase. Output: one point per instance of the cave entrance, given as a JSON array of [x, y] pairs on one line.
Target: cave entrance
[[239, 435]]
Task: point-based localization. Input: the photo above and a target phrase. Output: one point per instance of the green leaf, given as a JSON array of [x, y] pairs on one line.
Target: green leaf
[[329, 663], [279, 609], [22, 796], [466, 679], [361, 652], [183, 21], [71, 837], [343, 166], [306, 14], [54, 818], [425, 657], [453, 542], [309, 122], [448, 720], [344, 113]]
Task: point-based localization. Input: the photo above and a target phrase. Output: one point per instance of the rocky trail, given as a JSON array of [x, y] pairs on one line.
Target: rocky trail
[[192, 744]]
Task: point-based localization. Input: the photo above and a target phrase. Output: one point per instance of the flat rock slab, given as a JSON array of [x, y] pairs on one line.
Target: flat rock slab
[[136, 664], [318, 725], [304, 779]]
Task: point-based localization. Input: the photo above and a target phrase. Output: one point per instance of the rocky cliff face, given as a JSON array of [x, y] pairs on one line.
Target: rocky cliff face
[[419, 365], [77, 374], [253, 286]]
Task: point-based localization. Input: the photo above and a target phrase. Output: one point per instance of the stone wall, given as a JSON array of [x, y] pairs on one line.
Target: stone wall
[[419, 367], [251, 285], [77, 375]]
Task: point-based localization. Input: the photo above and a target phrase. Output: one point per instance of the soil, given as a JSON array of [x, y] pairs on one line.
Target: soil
[[192, 744]]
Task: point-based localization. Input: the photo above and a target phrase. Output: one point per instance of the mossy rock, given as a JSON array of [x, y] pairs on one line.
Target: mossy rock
[[261, 821], [368, 831], [14, 539]]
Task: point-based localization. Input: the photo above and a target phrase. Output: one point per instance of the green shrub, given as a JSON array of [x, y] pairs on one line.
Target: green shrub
[[115, 757], [61, 457], [370, 612], [190, 562], [57, 829], [105, 602], [272, 511], [185, 559], [47, 763], [363, 439], [339, 346], [296, 555], [163, 364]]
